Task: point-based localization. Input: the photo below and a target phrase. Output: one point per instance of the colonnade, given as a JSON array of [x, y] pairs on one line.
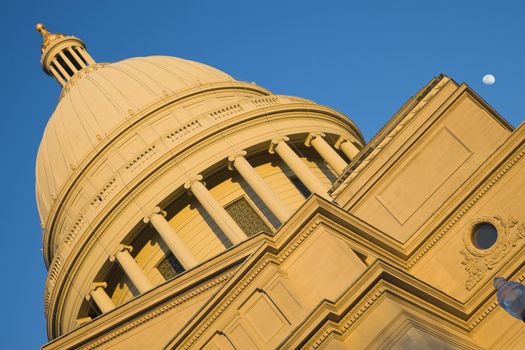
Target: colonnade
[[197, 187]]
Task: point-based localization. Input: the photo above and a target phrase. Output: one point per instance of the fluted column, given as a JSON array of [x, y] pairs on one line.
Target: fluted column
[[132, 269], [348, 148], [221, 217], [330, 156], [101, 298], [171, 238], [248, 173], [301, 170]]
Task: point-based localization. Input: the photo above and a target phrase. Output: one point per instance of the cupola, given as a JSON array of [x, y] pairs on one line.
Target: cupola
[[62, 55]]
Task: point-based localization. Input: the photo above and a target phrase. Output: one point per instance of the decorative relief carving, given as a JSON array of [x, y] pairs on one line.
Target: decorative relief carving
[[479, 261]]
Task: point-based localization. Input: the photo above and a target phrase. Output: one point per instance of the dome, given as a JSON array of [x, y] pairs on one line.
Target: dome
[[101, 98]]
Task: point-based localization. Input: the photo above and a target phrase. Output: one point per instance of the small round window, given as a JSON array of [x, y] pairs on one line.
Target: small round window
[[484, 235]]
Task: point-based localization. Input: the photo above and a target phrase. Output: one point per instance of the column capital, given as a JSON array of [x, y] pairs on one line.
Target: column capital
[[232, 158], [154, 211], [196, 178], [94, 286], [276, 141], [120, 248], [339, 141], [311, 136]]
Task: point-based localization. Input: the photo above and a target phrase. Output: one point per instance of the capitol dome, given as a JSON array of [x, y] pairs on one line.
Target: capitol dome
[[98, 101], [152, 166]]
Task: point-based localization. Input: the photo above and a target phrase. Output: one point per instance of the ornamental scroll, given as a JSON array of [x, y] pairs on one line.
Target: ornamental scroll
[[477, 261]]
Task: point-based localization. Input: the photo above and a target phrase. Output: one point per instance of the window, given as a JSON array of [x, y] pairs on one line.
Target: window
[[246, 217], [169, 267], [484, 235]]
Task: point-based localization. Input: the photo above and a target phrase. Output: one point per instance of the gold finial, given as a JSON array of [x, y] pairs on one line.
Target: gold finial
[[42, 30], [47, 37]]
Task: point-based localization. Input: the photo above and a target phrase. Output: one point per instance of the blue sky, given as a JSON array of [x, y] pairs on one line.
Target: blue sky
[[361, 58]]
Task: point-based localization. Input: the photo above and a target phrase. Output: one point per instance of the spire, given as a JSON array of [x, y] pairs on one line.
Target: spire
[[62, 55]]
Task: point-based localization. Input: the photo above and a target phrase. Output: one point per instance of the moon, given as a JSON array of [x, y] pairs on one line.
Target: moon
[[488, 79]]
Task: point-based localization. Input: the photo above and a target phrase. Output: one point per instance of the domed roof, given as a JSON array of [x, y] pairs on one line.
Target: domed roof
[[97, 100]]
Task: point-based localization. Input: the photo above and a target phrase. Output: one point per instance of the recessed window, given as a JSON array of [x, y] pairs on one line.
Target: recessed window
[[169, 267], [246, 217], [484, 235]]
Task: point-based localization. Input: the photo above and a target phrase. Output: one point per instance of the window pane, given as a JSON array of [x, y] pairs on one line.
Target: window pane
[[246, 217], [169, 267]]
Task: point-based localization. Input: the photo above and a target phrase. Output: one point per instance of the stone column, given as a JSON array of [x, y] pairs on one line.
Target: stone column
[[132, 269], [171, 238], [101, 298], [215, 210], [348, 148], [248, 173], [298, 167], [330, 156]]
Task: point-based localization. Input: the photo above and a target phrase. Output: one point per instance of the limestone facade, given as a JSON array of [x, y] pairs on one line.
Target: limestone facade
[[183, 209]]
